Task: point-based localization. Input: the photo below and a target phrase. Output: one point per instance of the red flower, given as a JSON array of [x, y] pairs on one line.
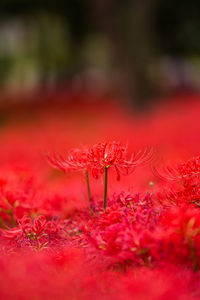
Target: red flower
[[105, 155], [99, 157], [76, 161], [36, 233], [187, 174], [181, 172]]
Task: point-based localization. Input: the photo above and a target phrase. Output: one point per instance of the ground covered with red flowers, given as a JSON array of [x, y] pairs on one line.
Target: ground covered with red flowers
[[100, 203]]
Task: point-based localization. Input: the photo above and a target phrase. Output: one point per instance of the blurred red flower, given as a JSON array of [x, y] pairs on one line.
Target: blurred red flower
[[76, 160]]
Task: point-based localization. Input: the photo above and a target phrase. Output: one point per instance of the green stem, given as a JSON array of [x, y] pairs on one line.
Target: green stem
[[88, 189], [105, 188], [193, 254], [2, 224]]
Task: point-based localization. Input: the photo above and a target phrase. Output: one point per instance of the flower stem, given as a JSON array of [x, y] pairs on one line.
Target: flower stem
[[105, 188], [88, 189], [193, 255]]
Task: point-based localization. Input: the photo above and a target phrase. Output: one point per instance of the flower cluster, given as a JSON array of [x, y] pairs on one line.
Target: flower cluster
[[141, 243], [124, 231], [98, 159], [37, 234], [101, 156]]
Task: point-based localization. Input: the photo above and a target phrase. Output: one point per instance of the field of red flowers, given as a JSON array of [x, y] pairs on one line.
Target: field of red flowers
[[98, 202]]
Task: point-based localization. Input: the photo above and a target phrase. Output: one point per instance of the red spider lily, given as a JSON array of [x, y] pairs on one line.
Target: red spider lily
[[181, 172], [105, 155], [18, 196], [77, 160], [123, 232], [179, 231], [99, 158], [37, 234], [188, 175], [190, 169]]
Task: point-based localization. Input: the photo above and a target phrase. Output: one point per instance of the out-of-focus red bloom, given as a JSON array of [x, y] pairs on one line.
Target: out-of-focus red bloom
[[181, 172], [187, 174], [37, 234], [18, 197], [177, 237], [76, 160], [123, 233], [105, 155]]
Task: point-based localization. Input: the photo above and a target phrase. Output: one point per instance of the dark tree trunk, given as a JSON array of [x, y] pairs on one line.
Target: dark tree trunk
[[128, 25]]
